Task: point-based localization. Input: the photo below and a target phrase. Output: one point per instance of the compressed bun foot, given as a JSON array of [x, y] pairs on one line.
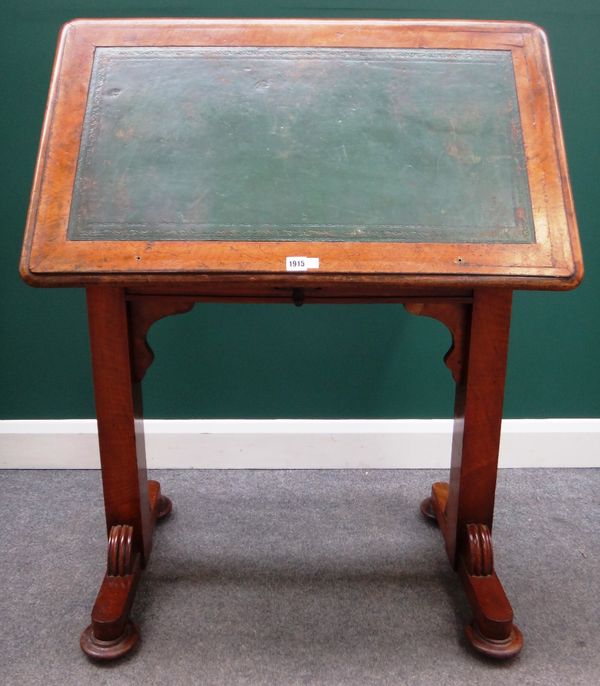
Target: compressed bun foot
[[427, 510], [109, 650], [499, 650], [163, 507]]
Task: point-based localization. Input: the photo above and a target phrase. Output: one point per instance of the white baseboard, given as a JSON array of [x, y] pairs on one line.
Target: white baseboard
[[298, 443]]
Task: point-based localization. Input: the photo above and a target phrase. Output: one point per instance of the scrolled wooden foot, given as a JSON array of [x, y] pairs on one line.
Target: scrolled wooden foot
[[120, 551], [500, 649], [434, 507], [427, 510], [163, 507], [160, 505], [480, 555], [111, 634], [492, 631], [111, 649]]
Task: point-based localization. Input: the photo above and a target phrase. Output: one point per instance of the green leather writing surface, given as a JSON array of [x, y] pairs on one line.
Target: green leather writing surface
[[304, 144]]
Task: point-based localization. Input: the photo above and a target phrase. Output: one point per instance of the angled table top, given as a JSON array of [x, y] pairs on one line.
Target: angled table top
[[410, 151]]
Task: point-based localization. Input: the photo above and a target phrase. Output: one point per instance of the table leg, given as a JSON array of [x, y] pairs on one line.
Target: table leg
[[464, 508], [132, 503]]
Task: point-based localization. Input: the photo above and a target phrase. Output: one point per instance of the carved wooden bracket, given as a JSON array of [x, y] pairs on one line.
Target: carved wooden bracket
[[142, 314], [455, 316], [120, 550], [480, 555]]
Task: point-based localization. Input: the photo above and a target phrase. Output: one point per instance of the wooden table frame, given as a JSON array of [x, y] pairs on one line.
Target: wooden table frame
[[478, 321], [467, 287]]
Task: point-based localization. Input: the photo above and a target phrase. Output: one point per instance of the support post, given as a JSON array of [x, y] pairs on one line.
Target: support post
[[464, 508], [478, 418], [132, 503], [120, 420]]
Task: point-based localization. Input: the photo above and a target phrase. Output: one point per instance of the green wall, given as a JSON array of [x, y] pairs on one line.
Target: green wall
[[281, 361]]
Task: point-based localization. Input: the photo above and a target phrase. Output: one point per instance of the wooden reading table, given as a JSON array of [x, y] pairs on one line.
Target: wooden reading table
[[302, 161]]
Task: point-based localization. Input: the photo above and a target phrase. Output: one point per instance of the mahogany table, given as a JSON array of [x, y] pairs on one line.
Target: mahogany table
[[302, 161]]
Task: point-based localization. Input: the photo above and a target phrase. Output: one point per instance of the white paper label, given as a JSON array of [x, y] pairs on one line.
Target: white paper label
[[301, 264]]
